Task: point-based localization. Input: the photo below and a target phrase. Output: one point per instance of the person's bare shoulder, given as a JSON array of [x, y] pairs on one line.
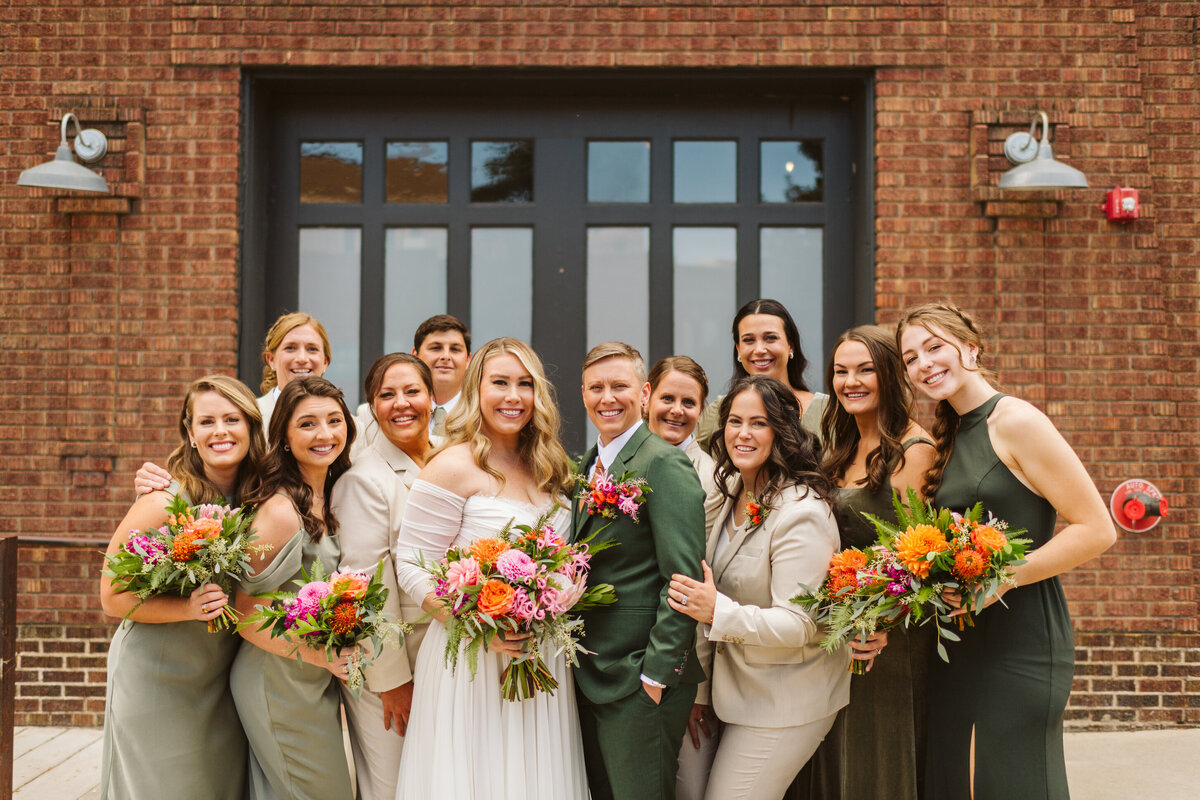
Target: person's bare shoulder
[[455, 470]]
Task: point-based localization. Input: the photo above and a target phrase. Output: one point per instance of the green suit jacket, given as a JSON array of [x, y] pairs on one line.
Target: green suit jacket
[[641, 634]]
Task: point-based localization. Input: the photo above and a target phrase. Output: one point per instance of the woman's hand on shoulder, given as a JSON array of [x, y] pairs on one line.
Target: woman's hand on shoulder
[[151, 477]]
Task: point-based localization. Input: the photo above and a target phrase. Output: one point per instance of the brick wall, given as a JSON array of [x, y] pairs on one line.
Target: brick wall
[[111, 304]]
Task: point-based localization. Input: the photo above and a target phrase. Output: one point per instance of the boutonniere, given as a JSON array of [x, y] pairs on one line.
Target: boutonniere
[[755, 512], [606, 497]]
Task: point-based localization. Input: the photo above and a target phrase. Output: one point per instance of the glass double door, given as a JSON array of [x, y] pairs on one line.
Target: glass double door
[[559, 219]]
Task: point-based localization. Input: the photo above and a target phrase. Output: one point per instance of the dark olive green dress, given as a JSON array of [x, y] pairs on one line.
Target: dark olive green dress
[[170, 727], [1011, 674], [290, 710], [876, 748]]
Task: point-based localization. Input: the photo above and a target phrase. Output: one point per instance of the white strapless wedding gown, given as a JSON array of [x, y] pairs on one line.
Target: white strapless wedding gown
[[464, 741]]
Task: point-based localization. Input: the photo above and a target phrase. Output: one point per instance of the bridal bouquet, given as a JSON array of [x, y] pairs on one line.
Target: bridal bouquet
[[341, 611], [939, 549], [866, 591], [198, 545], [525, 579]]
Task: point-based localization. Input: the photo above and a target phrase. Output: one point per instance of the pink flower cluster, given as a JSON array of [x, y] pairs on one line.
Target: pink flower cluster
[[307, 603], [147, 548]]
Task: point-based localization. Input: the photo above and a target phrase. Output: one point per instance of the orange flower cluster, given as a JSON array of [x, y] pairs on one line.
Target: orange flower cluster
[[344, 618], [843, 570], [915, 545], [488, 549], [969, 564], [496, 597], [184, 548]]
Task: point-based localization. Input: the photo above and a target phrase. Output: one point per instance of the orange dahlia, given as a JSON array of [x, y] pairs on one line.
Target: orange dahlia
[[839, 581], [488, 550], [345, 617], [184, 548], [915, 544], [988, 539], [969, 564], [849, 559]]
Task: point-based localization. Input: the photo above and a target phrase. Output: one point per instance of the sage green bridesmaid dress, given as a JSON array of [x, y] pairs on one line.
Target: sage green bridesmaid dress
[[876, 747], [170, 726], [1010, 676], [290, 710]]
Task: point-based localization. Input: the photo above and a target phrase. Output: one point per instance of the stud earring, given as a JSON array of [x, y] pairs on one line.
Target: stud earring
[[194, 447], [287, 448]]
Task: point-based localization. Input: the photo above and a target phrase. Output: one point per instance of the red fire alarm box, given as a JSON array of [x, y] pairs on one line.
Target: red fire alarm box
[[1121, 204]]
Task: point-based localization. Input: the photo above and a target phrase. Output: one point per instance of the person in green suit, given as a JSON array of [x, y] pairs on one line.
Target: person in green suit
[[636, 687]]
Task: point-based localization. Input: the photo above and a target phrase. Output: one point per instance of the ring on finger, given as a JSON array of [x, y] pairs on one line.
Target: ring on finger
[[204, 608], [683, 600]]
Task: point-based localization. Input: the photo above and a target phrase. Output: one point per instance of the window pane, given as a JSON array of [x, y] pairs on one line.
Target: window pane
[[331, 172], [618, 172], [330, 261], [705, 172], [416, 172], [502, 172], [705, 290], [792, 172], [501, 283], [791, 273], [618, 286], [414, 282]]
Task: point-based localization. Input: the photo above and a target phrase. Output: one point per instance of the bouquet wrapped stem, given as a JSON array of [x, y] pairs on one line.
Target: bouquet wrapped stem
[[526, 675]]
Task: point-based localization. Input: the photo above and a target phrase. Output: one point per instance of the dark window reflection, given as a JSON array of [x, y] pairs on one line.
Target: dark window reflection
[[792, 172], [416, 172], [331, 172], [502, 172]]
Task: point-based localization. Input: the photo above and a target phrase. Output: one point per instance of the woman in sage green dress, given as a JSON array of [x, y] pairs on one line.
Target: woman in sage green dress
[[170, 727], [766, 341], [873, 448], [996, 709], [289, 707]]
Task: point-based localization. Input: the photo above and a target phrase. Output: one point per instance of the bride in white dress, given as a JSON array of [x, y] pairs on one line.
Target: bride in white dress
[[501, 461]]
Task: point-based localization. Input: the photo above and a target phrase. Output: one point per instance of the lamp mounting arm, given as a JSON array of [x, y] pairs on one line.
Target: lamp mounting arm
[[90, 144]]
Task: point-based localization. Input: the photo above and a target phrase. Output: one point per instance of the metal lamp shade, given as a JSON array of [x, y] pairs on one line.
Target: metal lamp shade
[[63, 173], [1043, 172]]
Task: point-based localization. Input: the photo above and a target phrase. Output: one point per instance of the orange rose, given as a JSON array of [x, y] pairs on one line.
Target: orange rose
[[915, 544], [204, 528], [495, 598], [988, 539], [348, 585], [488, 550]]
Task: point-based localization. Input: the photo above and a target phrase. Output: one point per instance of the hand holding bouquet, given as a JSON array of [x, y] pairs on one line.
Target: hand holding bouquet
[[198, 545], [524, 580], [332, 614]]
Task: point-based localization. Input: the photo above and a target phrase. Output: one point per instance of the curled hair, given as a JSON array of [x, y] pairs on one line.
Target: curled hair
[[275, 336], [185, 464], [956, 328], [282, 473], [537, 444], [794, 458], [682, 364], [839, 431], [378, 370], [796, 364]]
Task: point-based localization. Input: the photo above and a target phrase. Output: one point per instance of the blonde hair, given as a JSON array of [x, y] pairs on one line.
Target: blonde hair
[[275, 336], [538, 443], [185, 464], [951, 320], [616, 350]]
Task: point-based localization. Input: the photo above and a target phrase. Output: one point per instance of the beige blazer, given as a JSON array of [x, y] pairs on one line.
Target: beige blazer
[[762, 653], [266, 404], [368, 501], [366, 431], [713, 498]]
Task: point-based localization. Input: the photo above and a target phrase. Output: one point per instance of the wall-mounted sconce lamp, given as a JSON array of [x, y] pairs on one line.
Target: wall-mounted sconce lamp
[[1037, 167], [63, 172]]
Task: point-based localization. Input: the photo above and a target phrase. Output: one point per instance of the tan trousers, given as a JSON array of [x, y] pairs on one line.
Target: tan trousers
[[747, 762], [376, 749]]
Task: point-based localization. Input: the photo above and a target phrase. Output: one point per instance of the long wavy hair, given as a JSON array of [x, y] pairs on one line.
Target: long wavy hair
[[185, 464], [839, 431], [796, 364], [281, 472], [537, 443], [794, 459], [950, 320], [275, 335]]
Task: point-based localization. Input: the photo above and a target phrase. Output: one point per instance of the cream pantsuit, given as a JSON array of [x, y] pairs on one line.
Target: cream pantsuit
[[369, 502], [774, 689]]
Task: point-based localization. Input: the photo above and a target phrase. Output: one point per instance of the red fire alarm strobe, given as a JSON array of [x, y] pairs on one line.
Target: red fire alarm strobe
[[1121, 204], [1137, 505]]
